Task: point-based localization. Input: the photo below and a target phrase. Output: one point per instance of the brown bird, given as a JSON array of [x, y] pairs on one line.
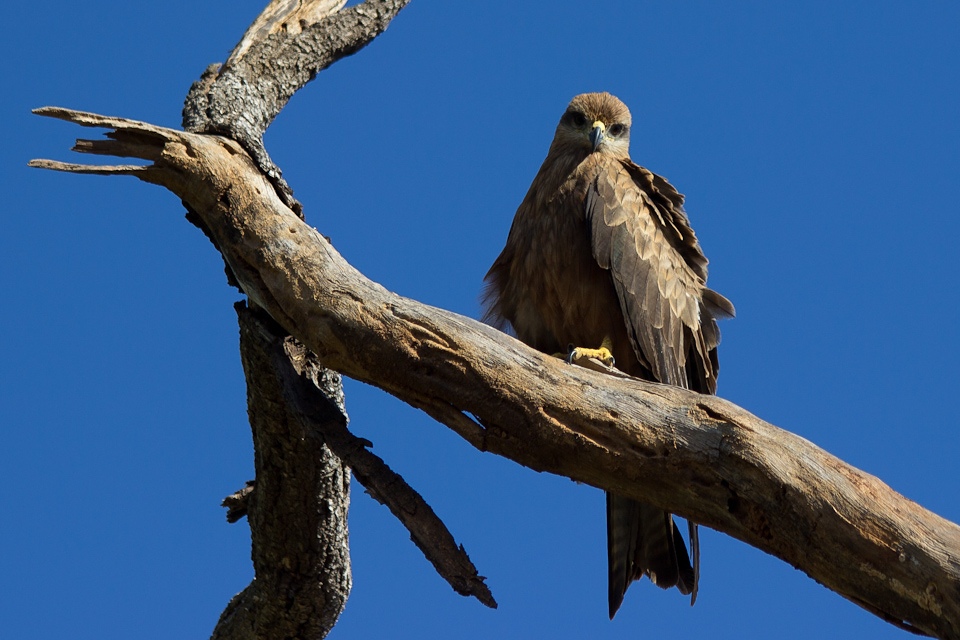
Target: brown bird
[[601, 254]]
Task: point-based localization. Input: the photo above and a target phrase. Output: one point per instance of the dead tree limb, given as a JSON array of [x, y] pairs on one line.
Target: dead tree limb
[[385, 486], [284, 48], [698, 456], [298, 509]]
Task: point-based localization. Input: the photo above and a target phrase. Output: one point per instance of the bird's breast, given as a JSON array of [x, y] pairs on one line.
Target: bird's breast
[[562, 295]]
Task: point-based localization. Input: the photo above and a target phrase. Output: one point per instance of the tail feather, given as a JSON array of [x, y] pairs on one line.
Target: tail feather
[[623, 522], [656, 552], [643, 540], [690, 579]]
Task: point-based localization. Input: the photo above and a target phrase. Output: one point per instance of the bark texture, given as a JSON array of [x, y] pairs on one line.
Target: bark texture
[[298, 508], [698, 456], [284, 49], [303, 595]]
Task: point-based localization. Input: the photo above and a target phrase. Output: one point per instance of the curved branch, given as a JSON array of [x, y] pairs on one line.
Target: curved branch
[[282, 16], [284, 49], [698, 456]]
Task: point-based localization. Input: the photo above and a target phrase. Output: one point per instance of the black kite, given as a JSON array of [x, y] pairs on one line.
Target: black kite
[[602, 253]]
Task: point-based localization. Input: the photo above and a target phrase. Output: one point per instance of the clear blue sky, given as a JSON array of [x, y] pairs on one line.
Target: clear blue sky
[[818, 146]]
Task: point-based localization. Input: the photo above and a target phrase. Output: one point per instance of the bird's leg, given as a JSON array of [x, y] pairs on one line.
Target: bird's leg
[[584, 357]]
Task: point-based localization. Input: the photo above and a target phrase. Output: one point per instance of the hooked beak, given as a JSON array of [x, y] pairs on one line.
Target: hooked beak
[[597, 134]]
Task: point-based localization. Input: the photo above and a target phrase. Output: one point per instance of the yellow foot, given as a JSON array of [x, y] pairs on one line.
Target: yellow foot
[[591, 358]]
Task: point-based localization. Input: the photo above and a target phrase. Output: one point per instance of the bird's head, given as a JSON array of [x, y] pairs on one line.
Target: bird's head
[[597, 123]]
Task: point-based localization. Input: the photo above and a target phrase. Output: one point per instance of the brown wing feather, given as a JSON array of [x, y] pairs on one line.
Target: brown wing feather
[[641, 234]]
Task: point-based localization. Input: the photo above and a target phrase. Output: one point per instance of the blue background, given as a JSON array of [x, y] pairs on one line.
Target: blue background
[[818, 144]]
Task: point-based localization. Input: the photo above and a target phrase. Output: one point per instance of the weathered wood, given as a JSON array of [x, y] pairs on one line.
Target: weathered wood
[[383, 484], [281, 51], [284, 49], [698, 456], [288, 17], [298, 508]]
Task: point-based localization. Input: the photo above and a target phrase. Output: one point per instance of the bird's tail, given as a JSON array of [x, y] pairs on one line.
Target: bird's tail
[[643, 540]]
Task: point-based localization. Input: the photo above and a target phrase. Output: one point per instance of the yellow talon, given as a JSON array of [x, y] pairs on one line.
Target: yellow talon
[[582, 356]]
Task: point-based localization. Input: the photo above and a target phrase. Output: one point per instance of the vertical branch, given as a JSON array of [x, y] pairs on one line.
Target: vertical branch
[[298, 509]]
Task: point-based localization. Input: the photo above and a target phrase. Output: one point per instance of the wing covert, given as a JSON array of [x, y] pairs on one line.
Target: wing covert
[[640, 233]]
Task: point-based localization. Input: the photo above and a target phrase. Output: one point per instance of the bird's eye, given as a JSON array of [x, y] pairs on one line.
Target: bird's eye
[[575, 118], [617, 130]]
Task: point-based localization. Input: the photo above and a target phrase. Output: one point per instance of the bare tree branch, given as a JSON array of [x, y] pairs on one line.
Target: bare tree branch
[[237, 503], [298, 508], [281, 51], [284, 49], [698, 456], [298, 505], [387, 487], [283, 16]]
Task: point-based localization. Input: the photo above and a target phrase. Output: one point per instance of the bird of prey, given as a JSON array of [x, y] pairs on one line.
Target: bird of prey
[[601, 254]]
